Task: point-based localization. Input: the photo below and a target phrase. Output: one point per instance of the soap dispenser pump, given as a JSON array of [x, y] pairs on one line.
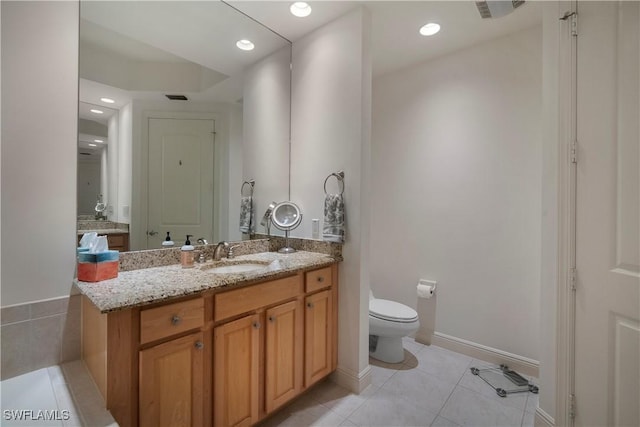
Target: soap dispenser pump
[[168, 243], [186, 254]]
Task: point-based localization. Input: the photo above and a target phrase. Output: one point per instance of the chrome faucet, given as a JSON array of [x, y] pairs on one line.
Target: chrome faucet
[[217, 252], [203, 241]]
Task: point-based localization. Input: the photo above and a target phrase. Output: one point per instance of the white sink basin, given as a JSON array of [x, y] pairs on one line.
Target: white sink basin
[[235, 268]]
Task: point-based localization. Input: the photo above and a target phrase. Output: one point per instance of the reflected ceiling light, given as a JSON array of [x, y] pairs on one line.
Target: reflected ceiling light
[[430, 29], [98, 140], [245, 44], [92, 145], [94, 111], [107, 100], [300, 9]]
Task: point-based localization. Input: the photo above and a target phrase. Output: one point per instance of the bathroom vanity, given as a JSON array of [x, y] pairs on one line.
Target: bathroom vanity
[[229, 351]]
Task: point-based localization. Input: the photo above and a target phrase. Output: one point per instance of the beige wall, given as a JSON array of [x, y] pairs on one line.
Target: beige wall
[[39, 79], [330, 131], [456, 195]]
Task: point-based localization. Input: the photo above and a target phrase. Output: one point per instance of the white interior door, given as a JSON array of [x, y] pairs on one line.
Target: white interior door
[[607, 357], [180, 180]]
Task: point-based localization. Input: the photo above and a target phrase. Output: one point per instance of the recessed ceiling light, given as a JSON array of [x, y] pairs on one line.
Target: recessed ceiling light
[[245, 45], [92, 145], [94, 111], [98, 140], [430, 29], [107, 100], [300, 9]]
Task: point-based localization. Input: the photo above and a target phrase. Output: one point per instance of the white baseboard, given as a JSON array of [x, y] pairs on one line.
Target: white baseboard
[[352, 381], [543, 419], [492, 355]]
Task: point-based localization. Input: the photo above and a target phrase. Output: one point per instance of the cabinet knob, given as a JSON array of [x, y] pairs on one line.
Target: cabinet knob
[[272, 319], [256, 325], [320, 279], [175, 320], [310, 304], [199, 345]]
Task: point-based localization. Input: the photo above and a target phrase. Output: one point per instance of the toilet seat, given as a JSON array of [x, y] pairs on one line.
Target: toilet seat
[[392, 311]]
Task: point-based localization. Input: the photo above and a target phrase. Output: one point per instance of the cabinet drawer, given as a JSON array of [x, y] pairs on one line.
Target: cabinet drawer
[[232, 303], [171, 319], [318, 279]]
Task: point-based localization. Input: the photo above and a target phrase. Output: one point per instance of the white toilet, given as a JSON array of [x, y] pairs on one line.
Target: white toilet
[[389, 321]]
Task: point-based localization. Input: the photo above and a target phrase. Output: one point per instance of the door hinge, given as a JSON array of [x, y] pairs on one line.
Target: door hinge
[[572, 406], [572, 278], [572, 17], [573, 152]]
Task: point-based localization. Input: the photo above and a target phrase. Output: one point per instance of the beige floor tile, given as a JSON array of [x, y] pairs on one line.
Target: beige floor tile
[[443, 422], [386, 409], [468, 408], [419, 388], [442, 364]]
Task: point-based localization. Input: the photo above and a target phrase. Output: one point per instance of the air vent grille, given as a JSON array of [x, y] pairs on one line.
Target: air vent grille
[[177, 97], [483, 8], [497, 8]]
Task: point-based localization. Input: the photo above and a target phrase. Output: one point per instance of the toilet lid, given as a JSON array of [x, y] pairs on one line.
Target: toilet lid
[[391, 310]]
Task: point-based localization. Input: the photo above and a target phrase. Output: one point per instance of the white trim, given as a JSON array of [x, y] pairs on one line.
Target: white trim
[[352, 381], [488, 354], [543, 419], [566, 227]]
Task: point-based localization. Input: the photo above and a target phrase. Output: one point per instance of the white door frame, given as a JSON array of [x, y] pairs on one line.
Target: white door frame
[[139, 214], [567, 184]]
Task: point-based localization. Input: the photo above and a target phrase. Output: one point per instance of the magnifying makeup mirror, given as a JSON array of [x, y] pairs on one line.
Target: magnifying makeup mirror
[[286, 216]]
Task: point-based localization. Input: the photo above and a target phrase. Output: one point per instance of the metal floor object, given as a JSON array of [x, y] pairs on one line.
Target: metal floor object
[[505, 381]]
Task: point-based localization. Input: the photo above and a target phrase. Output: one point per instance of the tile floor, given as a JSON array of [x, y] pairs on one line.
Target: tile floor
[[433, 387], [57, 396]]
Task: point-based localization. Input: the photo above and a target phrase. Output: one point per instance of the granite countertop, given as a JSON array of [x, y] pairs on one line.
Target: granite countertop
[[150, 285], [104, 231]]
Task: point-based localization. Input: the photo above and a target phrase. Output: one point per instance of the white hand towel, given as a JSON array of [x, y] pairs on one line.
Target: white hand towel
[[247, 215], [333, 227]]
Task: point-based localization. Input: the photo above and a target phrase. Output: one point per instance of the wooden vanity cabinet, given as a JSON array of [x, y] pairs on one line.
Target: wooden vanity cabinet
[[224, 359], [172, 383], [320, 320]]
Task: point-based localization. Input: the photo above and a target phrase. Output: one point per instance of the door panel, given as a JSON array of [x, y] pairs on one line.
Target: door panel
[[607, 356], [283, 354], [180, 179], [236, 372], [172, 383]]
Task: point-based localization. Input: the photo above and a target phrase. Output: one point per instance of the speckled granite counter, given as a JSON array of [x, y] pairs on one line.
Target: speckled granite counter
[[104, 231], [151, 285]]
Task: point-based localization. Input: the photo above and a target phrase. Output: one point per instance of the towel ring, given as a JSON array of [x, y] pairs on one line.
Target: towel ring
[[339, 176], [251, 182]]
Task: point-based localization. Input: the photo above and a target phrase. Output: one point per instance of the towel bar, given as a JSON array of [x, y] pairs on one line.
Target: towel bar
[[339, 176], [251, 182]]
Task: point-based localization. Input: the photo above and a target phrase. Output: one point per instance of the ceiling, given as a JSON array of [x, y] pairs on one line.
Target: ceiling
[[396, 42], [203, 34]]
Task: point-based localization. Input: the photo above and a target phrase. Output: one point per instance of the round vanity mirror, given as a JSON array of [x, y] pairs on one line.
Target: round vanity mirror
[[286, 216]]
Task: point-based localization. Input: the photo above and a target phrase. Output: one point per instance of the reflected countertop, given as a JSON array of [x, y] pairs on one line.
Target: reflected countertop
[[104, 231], [150, 285]]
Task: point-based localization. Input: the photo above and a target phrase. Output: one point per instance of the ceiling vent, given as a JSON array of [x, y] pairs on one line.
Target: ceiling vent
[[85, 154], [177, 97], [496, 9]]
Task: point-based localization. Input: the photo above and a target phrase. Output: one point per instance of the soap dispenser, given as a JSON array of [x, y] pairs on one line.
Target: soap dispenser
[[186, 254], [168, 243]]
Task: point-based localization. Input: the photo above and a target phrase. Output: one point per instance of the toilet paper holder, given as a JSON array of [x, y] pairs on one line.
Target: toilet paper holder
[[426, 288]]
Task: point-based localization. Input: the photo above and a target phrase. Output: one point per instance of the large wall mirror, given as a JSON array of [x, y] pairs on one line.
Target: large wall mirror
[[178, 165]]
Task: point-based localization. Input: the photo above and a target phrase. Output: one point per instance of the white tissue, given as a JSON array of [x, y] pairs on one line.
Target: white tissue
[[426, 288], [88, 239], [101, 245]]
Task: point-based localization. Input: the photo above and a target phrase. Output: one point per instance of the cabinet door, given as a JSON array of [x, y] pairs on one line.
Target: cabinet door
[[236, 372], [318, 337], [283, 354], [172, 383]]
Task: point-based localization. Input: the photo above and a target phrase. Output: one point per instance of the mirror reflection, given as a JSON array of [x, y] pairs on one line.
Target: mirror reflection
[[174, 116]]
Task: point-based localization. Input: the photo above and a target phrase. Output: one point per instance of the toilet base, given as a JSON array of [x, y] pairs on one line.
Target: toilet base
[[389, 350]]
